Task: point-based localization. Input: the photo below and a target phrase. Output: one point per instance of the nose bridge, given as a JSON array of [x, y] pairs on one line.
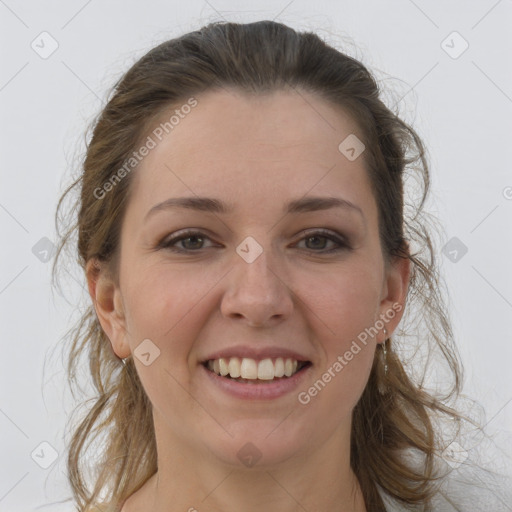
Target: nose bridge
[[256, 291], [252, 269]]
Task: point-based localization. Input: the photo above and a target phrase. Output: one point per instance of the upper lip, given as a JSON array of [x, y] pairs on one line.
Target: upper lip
[[258, 353]]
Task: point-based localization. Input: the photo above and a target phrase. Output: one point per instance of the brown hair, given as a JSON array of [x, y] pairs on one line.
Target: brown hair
[[395, 411]]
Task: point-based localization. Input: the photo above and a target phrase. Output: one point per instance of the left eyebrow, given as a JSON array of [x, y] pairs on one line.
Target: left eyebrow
[[213, 205]]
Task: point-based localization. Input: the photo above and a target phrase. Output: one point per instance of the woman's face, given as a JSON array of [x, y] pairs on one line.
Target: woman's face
[[255, 281]]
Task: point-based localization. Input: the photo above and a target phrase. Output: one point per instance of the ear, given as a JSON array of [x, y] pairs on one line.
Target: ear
[[394, 292], [107, 300]]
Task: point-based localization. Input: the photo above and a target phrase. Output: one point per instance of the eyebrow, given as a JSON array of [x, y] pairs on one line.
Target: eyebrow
[[212, 205]]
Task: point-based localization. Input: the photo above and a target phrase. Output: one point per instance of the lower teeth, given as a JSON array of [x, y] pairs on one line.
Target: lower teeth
[[255, 381]]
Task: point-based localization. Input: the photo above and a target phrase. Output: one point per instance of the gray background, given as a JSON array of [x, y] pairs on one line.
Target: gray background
[[460, 104]]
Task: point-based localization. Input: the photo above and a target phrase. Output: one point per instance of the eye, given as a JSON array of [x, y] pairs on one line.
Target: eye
[[170, 243], [197, 239], [319, 234]]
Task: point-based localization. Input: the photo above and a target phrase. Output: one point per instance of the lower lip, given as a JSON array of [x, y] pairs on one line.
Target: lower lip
[[263, 391]]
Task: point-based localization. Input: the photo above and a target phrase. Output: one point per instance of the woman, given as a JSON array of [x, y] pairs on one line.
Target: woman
[[249, 257]]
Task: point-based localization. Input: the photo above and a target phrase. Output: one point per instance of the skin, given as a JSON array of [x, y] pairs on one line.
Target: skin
[[258, 153]]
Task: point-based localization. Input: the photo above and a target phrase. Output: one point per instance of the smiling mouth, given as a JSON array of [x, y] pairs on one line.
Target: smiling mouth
[[247, 370]]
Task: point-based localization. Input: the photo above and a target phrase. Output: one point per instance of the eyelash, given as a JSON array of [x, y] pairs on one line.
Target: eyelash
[[168, 243]]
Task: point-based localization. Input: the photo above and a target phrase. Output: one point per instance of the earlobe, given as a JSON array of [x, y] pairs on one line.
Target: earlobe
[[108, 304]]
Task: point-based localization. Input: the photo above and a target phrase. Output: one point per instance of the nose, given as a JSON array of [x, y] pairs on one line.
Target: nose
[[257, 292]]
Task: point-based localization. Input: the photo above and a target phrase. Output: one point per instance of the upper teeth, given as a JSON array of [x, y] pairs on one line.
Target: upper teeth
[[247, 368]]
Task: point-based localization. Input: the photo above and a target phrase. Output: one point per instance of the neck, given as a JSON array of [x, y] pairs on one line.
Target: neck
[[319, 480]]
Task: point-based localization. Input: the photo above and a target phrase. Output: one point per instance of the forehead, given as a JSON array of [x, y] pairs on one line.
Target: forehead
[[252, 147]]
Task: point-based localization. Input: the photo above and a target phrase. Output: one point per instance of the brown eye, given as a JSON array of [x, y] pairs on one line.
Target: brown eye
[[316, 238], [196, 237]]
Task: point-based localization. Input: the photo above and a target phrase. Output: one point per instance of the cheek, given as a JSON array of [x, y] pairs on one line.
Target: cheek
[[157, 307], [159, 296], [171, 307], [347, 305], [161, 307], [346, 300]]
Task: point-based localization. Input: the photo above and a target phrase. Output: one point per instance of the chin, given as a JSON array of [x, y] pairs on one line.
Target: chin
[[258, 444]]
